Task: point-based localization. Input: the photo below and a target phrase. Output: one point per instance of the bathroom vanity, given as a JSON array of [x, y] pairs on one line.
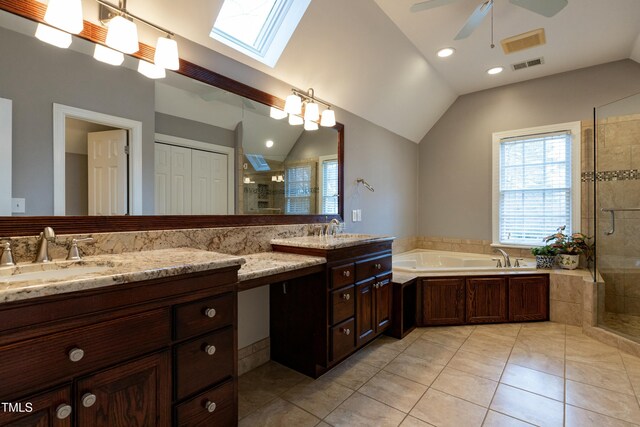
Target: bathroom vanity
[[160, 351]]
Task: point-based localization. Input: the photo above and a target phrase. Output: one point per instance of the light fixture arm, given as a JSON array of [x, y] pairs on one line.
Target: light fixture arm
[[122, 8], [309, 96]]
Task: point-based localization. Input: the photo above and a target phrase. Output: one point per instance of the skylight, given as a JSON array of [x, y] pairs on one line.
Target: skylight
[[259, 29]]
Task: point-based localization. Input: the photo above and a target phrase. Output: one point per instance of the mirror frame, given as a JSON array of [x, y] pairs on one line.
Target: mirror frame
[[23, 225]]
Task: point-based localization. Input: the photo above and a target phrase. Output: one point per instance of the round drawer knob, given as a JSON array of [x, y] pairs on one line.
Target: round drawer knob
[[76, 354], [210, 406], [210, 349], [346, 331], [63, 411], [88, 400], [346, 297], [378, 266], [346, 273], [210, 312]]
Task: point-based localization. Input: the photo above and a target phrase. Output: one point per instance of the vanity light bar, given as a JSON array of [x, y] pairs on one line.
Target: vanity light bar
[[293, 106]]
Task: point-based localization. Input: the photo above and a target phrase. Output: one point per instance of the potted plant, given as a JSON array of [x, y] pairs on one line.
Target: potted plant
[[568, 247], [545, 256]]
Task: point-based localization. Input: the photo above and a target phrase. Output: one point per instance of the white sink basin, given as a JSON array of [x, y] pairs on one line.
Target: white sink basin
[[54, 271]]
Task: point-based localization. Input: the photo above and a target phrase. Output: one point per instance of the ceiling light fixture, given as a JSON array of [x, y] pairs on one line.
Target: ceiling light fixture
[[294, 104], [122, 35], [269, 144], [53, 36], [495, 70], [446, 52], [65, 15], [108, 55], [150, 70], [167, 54], [276, 113]]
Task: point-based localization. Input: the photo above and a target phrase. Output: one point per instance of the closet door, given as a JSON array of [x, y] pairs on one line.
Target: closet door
[[180, 181], [201, 183], [220, 184], [162, 179]]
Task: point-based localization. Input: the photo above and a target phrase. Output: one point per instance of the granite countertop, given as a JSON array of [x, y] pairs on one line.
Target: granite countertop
[[269, 263], [106, 270], [331, 242]]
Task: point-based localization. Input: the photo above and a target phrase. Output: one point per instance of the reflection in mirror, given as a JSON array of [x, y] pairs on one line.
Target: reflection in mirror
[[203, 150]]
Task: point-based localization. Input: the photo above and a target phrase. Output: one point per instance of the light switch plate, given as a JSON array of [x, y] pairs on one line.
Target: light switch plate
[[359, 215], [17, 205], [354, 215]]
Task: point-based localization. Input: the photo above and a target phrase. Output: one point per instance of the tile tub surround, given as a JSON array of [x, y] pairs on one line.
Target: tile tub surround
[[548, 374], [118, 270]]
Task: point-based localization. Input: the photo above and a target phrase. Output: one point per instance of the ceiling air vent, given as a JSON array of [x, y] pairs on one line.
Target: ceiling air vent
[[527, 64], [524, 41]]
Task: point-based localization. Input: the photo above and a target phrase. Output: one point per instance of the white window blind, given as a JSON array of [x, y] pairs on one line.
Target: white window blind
[[329, 202], [297, 189], [534, 187]]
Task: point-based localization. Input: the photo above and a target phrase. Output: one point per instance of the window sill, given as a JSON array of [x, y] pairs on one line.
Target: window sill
[[512, 246]]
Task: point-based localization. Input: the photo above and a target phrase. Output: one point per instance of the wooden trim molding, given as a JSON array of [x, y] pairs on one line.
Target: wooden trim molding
[[20, 226]]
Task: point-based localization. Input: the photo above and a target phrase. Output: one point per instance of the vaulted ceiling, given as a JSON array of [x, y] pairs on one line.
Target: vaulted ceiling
[[378, 60]]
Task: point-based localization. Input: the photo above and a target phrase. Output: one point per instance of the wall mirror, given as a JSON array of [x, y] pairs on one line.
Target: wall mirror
[[90, 139]]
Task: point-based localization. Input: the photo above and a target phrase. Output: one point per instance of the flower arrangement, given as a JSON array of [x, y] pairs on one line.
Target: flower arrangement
[[574, 244]]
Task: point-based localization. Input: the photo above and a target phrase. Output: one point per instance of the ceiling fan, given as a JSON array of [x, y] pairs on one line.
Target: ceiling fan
[[546, 8]]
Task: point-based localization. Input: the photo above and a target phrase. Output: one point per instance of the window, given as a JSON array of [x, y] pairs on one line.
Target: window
[[259, 29], [297, 189], [536, 185], [328, 194]]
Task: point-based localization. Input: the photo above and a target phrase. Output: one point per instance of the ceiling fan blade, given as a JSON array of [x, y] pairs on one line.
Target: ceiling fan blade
[[430, 4], [475, 20], [546, 8]]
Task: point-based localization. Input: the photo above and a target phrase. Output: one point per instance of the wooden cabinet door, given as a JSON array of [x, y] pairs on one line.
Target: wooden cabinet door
[[486, 300], [42, 410], [135, 394], [365, 315], [442, 301], [528, 298], [383, 303]]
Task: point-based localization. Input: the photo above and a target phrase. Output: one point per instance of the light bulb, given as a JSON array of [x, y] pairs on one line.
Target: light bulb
[[269, 144], [276, 113], [293, 104], [495, 70], [446, 52], [295, 120], [107, 55], [53, 36], [167, 54], [150, 70], [328, 118], [311, 112], [122, 35], [274, 178], [309, 125], [65, 14]]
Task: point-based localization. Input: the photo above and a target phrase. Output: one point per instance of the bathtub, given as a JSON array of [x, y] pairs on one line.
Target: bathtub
[[428, 261]]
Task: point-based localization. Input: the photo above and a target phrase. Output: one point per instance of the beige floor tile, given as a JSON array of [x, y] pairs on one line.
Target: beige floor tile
[[493, 336], [465, 386], [273, 376], [431, 352], [395, 344], [414, 368], [534, 381], [594, 353], [502, 329], [602, 401], [279, 413], [394, 390], [448, 337], [443, 410], [574, 330], [484, 367], [537, 361], [486, 347], [322, 424], [319, 397], [551, 346], [251, 399], [599, 376], [496, 419], [529, 407], [578, 417], [549, 328], [360, 410], [414, 422], [351, 373], [375, 355]]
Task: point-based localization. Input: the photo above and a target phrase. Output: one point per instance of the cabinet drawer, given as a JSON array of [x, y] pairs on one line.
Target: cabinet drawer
[[342, 304], [42, 361], [203, 316], [372, 267], [44, 408], [343, 339], [199, 366], [196, 412], [342, 275]]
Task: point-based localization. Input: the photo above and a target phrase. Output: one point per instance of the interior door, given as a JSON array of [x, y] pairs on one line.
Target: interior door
[[180, 202], [202, 202], [107, 165], [220, 184], [162, 172]]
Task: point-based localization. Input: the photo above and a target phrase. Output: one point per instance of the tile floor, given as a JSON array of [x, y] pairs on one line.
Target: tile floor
[[544, 374]]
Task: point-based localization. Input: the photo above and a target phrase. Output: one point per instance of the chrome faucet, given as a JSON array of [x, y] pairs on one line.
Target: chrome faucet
[[507, 260], [74, 253], [43, 249], [333, 227], [6, 259]]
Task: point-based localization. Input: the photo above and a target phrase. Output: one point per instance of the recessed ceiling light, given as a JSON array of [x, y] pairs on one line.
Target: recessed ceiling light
[[447, 51], [269, 144], [495, 70]]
